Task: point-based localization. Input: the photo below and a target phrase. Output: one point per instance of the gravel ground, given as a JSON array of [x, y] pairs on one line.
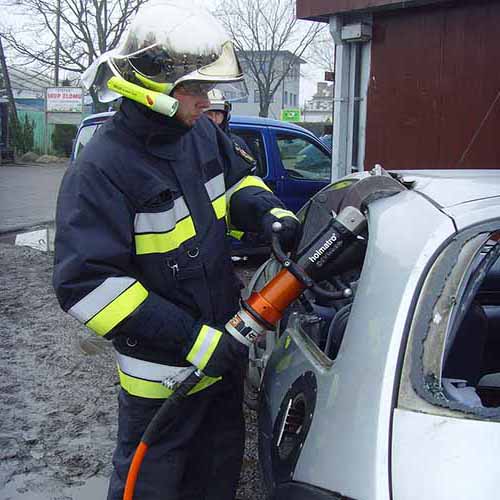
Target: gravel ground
[[57, 400]]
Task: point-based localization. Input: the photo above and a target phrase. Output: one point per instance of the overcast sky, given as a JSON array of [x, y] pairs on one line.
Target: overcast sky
[[310, 75]]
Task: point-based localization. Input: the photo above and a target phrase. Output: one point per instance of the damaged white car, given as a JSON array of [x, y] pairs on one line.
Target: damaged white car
[[392, 393]]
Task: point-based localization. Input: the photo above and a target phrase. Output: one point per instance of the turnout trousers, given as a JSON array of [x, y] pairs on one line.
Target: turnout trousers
[[199, 454]]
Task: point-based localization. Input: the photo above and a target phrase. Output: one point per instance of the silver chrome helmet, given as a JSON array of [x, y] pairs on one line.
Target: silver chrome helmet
[[165, 45], [218, 102]]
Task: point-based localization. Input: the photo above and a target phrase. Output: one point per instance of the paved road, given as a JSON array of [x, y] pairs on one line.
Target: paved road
[[28, 195]]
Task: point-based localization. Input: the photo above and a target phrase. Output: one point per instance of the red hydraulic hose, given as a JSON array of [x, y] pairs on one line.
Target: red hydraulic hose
[[153, 430], [133, 472]]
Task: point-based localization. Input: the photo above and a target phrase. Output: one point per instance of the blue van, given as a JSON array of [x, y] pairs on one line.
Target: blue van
[[292, 161]]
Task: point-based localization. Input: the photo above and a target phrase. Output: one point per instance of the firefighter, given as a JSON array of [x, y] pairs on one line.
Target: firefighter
[[141, 254], [219, 112]]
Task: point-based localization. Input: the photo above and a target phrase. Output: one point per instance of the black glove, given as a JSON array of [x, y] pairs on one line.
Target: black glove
[[291, 230], [216, 352]]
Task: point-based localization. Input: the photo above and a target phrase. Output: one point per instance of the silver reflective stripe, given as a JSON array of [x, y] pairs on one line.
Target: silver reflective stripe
[[147, 370], [206, 346], [231, 190], [215, 187], [100, 297], [161, 222]]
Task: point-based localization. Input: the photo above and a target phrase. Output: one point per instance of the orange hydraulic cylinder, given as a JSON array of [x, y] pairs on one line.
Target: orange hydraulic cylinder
[[275, 297]]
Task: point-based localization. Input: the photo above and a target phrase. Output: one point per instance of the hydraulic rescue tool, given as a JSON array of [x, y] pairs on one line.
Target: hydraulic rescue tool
[[263, 309]]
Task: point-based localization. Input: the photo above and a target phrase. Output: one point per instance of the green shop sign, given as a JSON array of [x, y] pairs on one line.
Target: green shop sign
[[290, 115]]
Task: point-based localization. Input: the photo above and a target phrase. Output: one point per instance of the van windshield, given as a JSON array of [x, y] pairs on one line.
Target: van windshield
[[83, 137]]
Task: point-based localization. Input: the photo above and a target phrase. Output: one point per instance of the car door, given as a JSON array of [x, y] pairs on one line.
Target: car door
[[446, 424], [303, 167], [257, 140]]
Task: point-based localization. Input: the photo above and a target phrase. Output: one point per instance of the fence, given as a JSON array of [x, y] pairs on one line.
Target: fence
[[39, 130], [42, 132]]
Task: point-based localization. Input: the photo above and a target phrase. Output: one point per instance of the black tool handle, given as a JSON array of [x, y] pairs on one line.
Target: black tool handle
[[299, 272], [167, 409]]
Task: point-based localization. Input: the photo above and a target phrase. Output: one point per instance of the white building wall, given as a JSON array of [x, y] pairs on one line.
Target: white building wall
[[316, 116], [290, 86]]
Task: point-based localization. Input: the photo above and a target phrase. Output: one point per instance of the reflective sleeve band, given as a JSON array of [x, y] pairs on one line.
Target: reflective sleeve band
[[220, 207], [204, 346], [162, 232], [279, 213], [161, 222], [116, 311], [248, 181], [145, 378], [165, 242], [215, 187], [100, 297], [108, 304], [237, 235], [216, 190]]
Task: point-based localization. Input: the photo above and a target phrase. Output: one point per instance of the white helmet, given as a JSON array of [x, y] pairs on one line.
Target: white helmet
[[218, 102], [165, 45]]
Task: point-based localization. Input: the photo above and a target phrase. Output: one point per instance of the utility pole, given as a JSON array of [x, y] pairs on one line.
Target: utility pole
[[8, 87], [58, 35], [105, 19]]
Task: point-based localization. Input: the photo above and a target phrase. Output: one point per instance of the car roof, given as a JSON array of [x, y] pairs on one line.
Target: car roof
[[266, 122], [97, 117], [235, 120], [453, 187]]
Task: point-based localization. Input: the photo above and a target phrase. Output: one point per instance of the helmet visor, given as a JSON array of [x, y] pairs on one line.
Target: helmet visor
[[232, 91]]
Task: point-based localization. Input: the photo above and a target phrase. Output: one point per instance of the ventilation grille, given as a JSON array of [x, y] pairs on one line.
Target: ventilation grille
[[292, 426]]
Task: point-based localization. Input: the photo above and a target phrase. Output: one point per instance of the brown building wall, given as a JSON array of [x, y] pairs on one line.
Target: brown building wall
[[320, 10], [434, 91]]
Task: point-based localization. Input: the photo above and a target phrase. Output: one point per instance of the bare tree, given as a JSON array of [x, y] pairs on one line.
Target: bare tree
[[262, 31], [5, 82], [322, 53], [68, 34]]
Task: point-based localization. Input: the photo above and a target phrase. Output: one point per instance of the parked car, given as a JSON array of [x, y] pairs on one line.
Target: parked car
[[393, 394], [292, 161], [327, 139]]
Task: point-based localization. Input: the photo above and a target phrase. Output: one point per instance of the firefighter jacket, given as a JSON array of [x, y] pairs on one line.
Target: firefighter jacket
[[142, 255]]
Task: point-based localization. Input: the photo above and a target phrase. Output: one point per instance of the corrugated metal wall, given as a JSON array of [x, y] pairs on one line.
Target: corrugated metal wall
[[38, 117], [434, 92], [41, 133]]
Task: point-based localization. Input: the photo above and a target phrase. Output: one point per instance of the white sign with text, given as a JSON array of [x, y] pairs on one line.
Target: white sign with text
[[64, 100]]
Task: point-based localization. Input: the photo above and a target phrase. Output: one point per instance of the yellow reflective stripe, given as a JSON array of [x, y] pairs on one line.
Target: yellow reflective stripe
[[156, 390], [220, 206], [236, 234], [282, 212], [204, 346], [248, 181], [95, 301], [165, 242], [117, 310]]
